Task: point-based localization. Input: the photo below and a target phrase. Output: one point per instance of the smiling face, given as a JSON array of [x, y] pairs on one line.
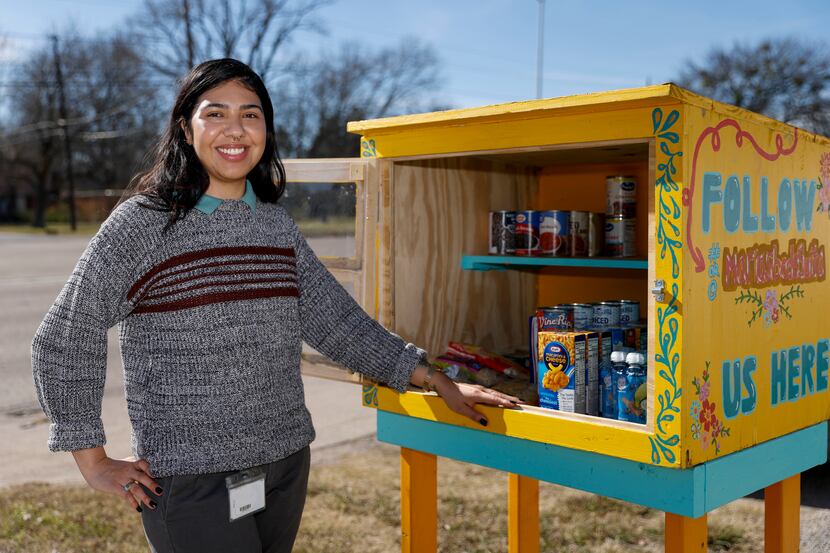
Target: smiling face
[[227, 131]]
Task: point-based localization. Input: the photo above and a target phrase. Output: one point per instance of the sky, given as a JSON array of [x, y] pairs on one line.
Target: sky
[[488, 48]]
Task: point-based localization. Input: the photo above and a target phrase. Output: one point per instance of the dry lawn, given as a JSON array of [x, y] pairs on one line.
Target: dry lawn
[[353, 505]]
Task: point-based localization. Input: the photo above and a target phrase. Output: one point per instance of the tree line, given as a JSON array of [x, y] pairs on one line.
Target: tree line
[[118, 87]]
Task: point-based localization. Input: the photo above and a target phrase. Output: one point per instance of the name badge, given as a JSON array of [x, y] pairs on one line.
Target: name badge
[[246, 493]]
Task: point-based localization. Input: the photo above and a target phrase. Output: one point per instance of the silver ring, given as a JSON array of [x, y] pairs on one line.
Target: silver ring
[[126, 487]]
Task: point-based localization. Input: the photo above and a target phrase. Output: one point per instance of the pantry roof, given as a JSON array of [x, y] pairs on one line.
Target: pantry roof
[[662, 94]]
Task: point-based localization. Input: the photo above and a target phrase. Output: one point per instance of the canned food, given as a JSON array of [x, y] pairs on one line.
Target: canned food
[[582, 315], [555, 318], [526, 233], [620, 236], [578, 235], [502, 227], [606, 314], [629, 312], [621, 196], [553, 232], [596, 234]]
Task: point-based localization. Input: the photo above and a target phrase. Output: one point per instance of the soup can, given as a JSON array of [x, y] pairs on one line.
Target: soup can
[[555, 318], [526, 233], [621, 196], [620, 236], [606, 314], [583, 312], [629, 312], [596, 234], [578, 235], [502, 227], [553, 232]]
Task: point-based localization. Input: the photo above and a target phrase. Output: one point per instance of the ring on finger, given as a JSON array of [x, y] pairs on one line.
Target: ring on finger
[[126, 487]]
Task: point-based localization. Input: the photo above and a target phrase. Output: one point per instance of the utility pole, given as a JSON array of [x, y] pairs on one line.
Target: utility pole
[[67, 146], [541, 50]]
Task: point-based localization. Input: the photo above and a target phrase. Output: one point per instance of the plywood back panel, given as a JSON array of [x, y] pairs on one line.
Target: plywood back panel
[[441, 212], [582, 187]]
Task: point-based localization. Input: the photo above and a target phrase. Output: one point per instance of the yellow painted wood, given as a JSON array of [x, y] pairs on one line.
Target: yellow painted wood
[[691, 338], [515, 109], [684, 534], [726, 143], [522, 514], [782, 504], [419, 502], [619, 439]]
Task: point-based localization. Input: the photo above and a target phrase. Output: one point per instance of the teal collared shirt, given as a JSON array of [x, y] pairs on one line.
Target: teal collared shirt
[[208, 204]]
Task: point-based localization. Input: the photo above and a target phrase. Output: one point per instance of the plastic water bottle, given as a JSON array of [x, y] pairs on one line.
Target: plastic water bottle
[[607, 388], [632, 402], [618, 380]]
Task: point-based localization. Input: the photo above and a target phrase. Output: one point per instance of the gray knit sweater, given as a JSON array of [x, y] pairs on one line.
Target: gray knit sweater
[[212, 315]]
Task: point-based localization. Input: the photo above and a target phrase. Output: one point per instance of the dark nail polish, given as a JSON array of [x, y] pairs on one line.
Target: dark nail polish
[[152, 504], [482, 422], [138, 509], [159, 490]]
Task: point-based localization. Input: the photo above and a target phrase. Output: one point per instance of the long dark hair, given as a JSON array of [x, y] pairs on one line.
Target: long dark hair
[[176, 179]]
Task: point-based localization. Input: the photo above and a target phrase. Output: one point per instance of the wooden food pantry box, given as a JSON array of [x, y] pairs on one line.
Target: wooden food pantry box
[[732, 224]]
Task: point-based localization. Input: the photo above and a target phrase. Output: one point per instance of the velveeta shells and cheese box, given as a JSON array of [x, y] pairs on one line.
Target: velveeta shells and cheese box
[[561, 370]]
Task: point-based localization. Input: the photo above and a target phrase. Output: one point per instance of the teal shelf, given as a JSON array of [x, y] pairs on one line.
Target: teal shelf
[[504, 262]]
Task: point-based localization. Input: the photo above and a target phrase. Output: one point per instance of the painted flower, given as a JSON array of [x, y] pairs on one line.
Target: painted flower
[[707, 414], [704, 440], [695, 430], [825, 169], [771, 300], [696, 410], [717, 426], [775, 315], [704, 391], [824, 194]]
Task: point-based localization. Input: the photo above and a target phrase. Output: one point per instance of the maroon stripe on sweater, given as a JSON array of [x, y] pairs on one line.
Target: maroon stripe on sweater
[[218, 283], [189, 257], [178, 281], [162, 276], [218, 297]]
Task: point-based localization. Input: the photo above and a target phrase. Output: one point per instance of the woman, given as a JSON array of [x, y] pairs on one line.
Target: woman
[[214, 288]]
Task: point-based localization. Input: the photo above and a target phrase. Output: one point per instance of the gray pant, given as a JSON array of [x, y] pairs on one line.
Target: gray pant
[[193, 515]]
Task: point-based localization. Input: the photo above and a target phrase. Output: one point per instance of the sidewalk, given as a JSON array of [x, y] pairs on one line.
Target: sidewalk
[[335, 408]]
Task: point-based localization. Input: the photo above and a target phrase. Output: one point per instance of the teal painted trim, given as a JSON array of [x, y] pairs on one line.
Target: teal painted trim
[[750, 470], [502, 262], [692, 492], [665, 489]]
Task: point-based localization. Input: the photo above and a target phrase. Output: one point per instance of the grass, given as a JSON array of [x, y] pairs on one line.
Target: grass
[[353, 505]]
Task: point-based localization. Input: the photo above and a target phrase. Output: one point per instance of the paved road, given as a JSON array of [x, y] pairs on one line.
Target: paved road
[[32, 271]]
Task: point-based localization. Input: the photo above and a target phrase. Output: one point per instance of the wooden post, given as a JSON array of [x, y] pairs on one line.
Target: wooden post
[[684, 534], [522, 514], [419, 502], [782, 504]]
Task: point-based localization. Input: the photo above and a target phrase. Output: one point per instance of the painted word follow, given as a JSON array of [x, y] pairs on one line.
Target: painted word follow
[[794, 200]]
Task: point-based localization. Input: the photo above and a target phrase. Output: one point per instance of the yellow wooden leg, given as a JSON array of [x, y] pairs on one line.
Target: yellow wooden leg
[[522, 514], [684, 534], [782, 504], [419, 502]]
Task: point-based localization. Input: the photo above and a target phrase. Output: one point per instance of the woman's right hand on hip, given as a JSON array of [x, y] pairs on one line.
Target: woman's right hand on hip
[[112, 475]]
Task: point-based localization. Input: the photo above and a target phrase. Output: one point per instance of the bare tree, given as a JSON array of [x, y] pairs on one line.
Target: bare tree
[[110, 117], [787, 79], [321, 97], [181, 33]]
